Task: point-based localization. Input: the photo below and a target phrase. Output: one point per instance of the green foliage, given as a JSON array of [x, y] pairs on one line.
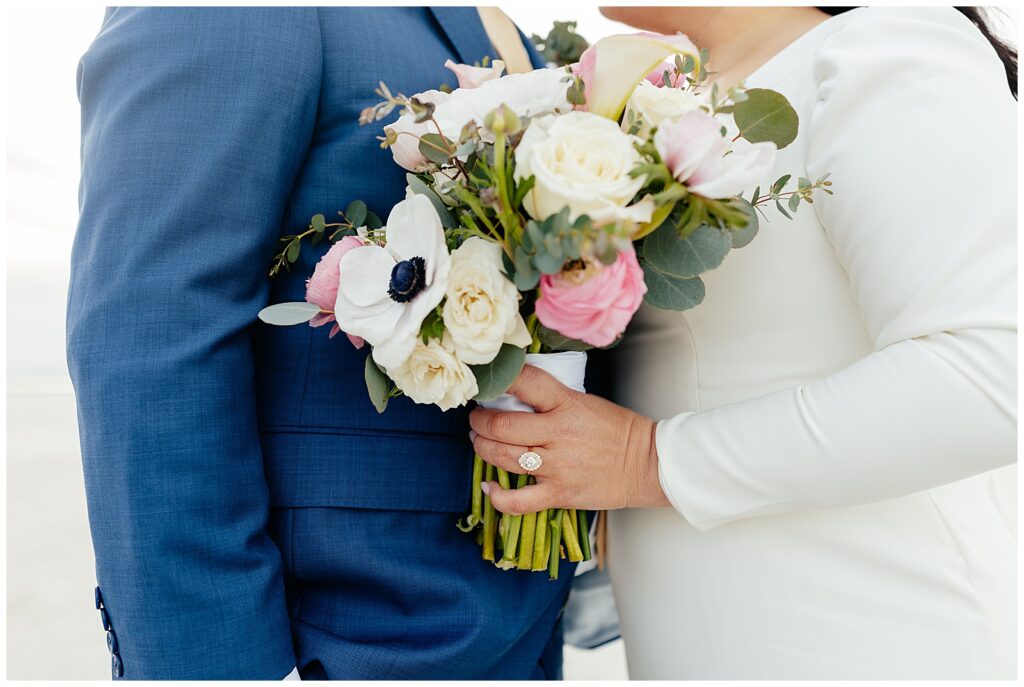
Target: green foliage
[[701, 251], [744, 235], [433, 325], [355, 216], [435, 148], [355, 213], [373, 222], [494, 378], [318, 224], [288, 314], [576, 93], [766, 115], [377, 384], [558, 342], [546, 246], [804, 193], [562, 45], [419, 186], [667, 292]]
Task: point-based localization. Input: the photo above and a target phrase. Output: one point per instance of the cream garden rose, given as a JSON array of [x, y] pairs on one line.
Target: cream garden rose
[[581, 160], [481, 309], [653, 105], [432, 373]]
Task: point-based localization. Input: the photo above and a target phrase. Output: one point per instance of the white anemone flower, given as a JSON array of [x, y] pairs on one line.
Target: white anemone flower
[[386, 291]]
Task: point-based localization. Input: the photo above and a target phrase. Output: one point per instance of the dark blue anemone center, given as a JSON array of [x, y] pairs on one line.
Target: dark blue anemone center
[[408, 278]]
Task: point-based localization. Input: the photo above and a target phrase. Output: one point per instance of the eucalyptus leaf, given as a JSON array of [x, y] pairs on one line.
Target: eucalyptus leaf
[[355, 213], [671, 293], [766, 115], [434, 148], [778, 206], [794, 202], [288, 314], [293, 250], [418, 186], [373, 220], [377, 384], [701, 251], [318, 223], [741, 237], [559, 342], [494, 378]]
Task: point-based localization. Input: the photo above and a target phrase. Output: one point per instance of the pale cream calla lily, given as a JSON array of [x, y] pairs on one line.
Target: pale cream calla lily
[[612, 67]]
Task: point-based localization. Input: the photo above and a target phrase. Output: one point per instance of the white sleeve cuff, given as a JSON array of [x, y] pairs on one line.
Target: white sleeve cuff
[[294, 675], [669, 462]]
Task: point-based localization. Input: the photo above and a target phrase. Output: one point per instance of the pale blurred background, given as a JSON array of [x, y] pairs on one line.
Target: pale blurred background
[[53, 629]]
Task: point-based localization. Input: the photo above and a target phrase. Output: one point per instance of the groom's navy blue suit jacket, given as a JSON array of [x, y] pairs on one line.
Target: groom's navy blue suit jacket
[[250, 510]]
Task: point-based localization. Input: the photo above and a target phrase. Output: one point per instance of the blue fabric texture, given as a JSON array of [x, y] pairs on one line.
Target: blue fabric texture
[[250, 510]]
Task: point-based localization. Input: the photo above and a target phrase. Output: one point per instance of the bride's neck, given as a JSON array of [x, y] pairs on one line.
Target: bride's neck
[[741, 39]]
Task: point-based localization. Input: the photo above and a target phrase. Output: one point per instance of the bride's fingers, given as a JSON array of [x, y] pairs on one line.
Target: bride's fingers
[[524, 429], [529, 499], [504, 456], [539, 389]]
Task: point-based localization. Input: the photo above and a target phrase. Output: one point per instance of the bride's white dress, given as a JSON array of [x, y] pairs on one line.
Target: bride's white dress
[[839, 433]]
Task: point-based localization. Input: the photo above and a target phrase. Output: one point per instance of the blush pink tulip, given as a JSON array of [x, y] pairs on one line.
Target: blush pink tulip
[[322, 287], [598, 309], [471, 77], [695, 152]]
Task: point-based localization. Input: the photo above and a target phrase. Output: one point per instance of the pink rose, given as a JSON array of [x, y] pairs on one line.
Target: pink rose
[[322, 287], [594, 304], [694, 150], [471, 77]]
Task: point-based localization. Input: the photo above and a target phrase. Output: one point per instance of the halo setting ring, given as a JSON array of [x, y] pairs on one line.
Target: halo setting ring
[[530, 461]]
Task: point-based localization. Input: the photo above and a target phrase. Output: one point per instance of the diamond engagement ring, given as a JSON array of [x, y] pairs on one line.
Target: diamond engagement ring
[[530, 461]]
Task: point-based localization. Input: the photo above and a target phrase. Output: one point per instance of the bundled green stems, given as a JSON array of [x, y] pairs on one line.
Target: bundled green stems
[[534, 541]]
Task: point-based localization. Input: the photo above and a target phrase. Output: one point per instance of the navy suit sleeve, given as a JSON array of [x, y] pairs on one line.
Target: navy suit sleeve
[[195, 122]]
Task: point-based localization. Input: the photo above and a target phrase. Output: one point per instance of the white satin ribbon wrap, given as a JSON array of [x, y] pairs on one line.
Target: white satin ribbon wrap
[[570, 368]]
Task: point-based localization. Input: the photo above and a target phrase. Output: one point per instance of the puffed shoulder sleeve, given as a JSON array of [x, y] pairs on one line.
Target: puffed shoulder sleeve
[[916, 124]]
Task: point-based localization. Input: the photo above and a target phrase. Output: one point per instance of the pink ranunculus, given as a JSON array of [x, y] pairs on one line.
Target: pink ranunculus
[[322, 287], [471, 77], [598, 309], [694, 150]]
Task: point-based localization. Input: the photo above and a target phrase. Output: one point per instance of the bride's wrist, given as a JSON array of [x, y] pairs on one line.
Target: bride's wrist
[[646, 483]]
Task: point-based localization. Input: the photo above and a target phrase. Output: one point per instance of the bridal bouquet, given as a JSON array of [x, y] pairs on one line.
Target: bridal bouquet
[[542, 209]]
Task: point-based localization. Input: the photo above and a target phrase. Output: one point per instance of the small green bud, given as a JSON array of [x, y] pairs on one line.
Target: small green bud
[[503, 120]]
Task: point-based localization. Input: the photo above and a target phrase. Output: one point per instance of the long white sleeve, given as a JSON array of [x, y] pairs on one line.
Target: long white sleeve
[[917, 126]]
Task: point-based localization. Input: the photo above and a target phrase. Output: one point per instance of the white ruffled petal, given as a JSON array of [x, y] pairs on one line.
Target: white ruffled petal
[[374, 323], [742, 169], [414, 229], [394, 351], [365, 275]]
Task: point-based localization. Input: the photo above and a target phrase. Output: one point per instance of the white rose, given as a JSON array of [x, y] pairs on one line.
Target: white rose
[[432, 374], [527, 94], [481, 308], [653, 105], [580, 160]]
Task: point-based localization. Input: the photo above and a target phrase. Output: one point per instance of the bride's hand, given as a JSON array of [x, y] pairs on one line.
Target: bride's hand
[[596, 455]]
